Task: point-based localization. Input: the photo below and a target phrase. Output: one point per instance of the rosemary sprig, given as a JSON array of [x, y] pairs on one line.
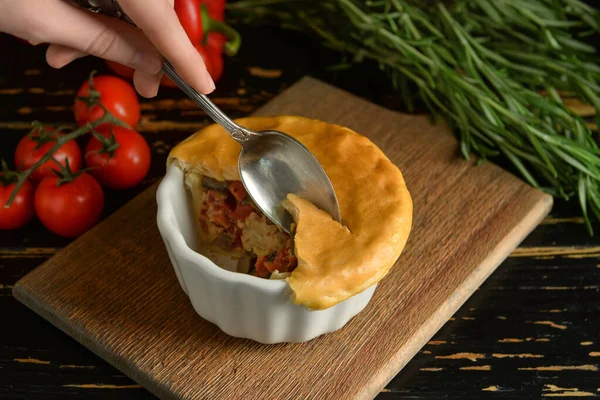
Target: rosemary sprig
[[483, 65]]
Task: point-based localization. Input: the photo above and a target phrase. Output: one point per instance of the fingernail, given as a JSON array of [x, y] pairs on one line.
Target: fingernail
[[147, 61], [209, 83], [157, 85]]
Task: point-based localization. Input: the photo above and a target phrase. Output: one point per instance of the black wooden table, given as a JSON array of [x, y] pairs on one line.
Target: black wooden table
[[532, 330]]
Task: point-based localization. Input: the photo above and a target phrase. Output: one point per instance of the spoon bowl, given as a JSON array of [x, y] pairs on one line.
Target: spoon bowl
[[272, 165]]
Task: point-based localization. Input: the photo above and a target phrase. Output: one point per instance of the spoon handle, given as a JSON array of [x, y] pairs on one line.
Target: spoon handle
[[111, 8], [237, 132]]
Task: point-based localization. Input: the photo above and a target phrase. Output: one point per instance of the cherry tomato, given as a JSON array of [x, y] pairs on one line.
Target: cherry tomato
[[27, 153], [20, 211], [117, 95], [71, 208], [127, 166]]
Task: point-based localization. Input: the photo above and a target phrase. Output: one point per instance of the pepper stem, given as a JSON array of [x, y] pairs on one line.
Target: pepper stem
[[234, 40]]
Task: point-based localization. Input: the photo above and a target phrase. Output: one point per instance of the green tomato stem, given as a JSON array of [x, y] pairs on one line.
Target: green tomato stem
[[85, 129]]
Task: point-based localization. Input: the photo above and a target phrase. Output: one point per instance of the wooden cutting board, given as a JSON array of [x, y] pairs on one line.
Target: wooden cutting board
[[114, 290]]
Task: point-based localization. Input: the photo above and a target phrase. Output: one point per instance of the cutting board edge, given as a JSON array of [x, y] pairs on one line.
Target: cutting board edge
[[31, 301], [425, 333], [462, 293], [385, 371]]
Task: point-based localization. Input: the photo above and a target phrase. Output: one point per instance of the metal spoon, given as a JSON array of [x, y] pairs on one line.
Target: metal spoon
[[271, 164]]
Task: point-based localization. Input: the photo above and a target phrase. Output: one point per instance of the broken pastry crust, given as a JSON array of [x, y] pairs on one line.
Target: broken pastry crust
[[335, 261]]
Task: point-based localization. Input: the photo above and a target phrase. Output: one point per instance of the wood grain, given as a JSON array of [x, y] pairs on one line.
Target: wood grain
[[114, 290]]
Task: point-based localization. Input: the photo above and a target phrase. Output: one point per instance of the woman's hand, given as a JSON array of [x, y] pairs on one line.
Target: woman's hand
[[74, 33]]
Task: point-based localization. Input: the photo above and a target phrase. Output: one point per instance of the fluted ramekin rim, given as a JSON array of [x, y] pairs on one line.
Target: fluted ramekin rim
[[172, 233]]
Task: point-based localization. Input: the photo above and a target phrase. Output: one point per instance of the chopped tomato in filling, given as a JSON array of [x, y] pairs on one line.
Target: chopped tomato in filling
[[236, 188], [233, 222], [282, 261]]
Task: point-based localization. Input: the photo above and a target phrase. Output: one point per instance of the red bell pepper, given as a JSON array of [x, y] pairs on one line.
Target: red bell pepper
[[202, 20], [216, 9]]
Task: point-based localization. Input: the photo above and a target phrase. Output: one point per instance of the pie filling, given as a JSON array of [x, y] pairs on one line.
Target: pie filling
[[231, 222]]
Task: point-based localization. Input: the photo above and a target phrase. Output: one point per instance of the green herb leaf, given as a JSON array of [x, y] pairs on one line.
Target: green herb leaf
[[481, 64]]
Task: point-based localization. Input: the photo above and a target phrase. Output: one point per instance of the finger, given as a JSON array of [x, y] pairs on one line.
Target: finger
[[58, 56], [160, 23], [146, 84], [55, 21]]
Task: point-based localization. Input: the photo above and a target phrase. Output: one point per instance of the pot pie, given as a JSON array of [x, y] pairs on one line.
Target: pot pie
[[324, 262]]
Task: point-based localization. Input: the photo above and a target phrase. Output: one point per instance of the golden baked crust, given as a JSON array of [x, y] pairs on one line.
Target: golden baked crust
[[335, 262]]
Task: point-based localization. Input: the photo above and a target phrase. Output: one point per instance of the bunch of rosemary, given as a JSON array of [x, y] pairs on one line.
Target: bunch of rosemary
[[494, 69]]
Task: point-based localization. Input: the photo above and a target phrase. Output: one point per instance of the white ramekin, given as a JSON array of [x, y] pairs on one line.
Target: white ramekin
[[240, 305]]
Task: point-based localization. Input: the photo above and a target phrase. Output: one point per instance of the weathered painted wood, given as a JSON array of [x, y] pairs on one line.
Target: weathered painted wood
[[123, 302], [521, 291]]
